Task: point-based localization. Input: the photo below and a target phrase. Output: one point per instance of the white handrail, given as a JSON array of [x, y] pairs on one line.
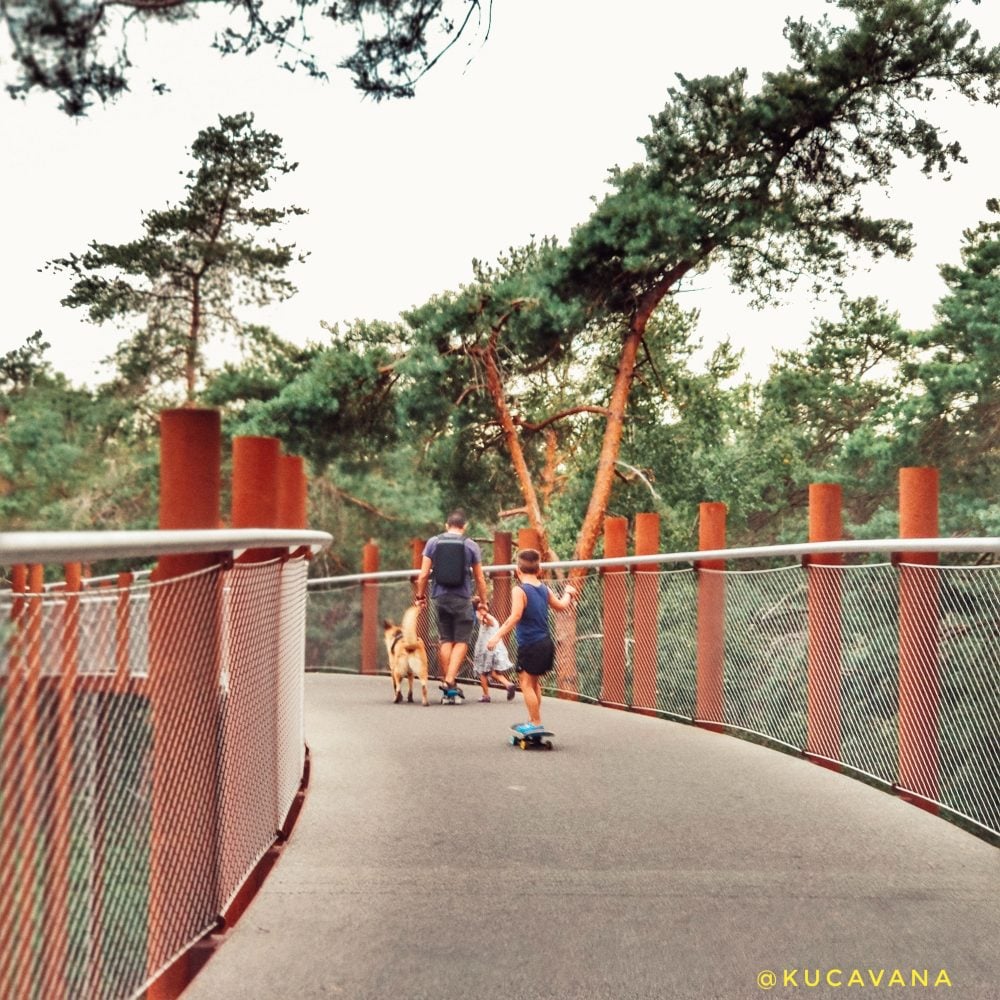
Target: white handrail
[[21, 547], [855, 546]]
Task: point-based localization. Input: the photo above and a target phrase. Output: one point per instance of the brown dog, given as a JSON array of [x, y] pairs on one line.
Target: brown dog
[[407, 654]]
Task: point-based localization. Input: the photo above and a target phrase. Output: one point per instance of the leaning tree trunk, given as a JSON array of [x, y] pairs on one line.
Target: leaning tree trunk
[[593, 521], [191, 348], [494, 384], [600, 495]]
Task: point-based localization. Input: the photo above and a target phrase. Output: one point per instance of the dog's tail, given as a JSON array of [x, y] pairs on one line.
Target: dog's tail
[[411, 641]]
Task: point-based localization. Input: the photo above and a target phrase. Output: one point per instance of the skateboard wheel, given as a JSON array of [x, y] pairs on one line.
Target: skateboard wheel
[[548, 744]]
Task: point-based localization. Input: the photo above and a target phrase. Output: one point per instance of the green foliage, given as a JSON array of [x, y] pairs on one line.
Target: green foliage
[[401, 421], [66, 460], [78, 49], [335, 405], [773, 181], [195, 261]]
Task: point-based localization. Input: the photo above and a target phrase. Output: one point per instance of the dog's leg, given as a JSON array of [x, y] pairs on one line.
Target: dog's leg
[[409, 696], [422, 667], [397, 687]]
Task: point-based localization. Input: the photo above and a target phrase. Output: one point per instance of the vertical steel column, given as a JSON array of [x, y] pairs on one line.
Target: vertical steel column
[[823, 602], [293, 493], [369, 611], [183, 690], [711, 617], [255, 486], [14, 978], [502, 556], [614, 612], [919, 638], [61, 817], [250, 752], [646, 601], [33, 815]]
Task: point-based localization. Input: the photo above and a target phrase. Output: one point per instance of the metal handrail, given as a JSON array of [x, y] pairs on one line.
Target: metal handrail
[[891, 546], [20, 547]]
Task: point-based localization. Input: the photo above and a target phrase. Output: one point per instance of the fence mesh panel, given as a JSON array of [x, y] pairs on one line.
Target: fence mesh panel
[[150, 747], [810, 657]]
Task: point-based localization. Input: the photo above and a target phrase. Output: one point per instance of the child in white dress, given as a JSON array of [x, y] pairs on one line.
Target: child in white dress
[[490, 664]]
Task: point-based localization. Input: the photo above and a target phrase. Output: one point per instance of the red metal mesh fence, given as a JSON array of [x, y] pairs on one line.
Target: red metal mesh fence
[[888, 670], [151, 745]]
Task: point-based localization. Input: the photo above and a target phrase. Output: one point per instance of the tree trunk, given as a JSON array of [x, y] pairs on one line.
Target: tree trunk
[[191, 348], [494, 384], [593, 521]]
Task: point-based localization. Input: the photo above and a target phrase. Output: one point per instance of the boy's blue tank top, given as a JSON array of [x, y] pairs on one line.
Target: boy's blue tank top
[[534, 623]]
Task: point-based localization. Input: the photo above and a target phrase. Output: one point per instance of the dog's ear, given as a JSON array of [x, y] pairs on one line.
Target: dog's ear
[[386, 624]]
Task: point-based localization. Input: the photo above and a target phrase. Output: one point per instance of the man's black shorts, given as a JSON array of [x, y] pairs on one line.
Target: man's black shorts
[[537, 659], [455, 618]]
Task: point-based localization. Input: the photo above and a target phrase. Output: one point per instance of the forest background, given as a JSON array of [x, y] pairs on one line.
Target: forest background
[[502, 394]]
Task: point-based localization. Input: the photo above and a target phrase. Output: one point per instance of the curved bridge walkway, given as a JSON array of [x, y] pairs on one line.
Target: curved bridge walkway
[[639, 859]]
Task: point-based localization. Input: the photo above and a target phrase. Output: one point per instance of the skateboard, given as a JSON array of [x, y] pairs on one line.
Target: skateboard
[[531, 741], [452, 697]]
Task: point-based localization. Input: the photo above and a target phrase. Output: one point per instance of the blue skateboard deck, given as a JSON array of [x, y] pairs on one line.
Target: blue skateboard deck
[[452, 697], [537, 739]]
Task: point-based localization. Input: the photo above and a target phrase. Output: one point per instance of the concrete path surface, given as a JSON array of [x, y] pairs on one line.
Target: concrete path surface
[[638, 859]]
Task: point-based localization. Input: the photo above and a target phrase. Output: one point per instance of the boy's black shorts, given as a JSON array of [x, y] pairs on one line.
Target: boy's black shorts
[[538, 658]]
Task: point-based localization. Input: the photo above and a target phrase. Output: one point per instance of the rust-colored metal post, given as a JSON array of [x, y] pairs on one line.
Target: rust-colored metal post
[[823, 603], [919, 637], [293, 493], [249, 799], [503, 581], [369, 611], [255, 488], [646, 603], [185, 629], [60, 819], [13, 907], [614, 613], [32, 816], [711, 617]]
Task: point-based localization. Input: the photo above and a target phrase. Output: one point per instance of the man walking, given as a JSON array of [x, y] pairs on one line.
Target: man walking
[[452, 562]]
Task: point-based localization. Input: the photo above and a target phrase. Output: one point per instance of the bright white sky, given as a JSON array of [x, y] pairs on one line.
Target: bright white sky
[[401, 196]]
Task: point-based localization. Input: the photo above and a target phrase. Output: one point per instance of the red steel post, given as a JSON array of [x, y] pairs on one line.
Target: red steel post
[[646, 601], [293, 493], [249, 800], [13, 907], [32, 815], [255, 488], [60, 819], [823, 603], [711, 617], [919, 637], [614, 613], [185, 630], [369, 611], [502, 582]]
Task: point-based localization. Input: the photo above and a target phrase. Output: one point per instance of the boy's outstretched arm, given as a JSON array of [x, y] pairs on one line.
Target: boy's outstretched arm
[[564, 602]]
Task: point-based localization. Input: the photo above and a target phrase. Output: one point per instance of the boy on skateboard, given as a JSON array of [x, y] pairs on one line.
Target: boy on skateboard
[[529, 620]]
